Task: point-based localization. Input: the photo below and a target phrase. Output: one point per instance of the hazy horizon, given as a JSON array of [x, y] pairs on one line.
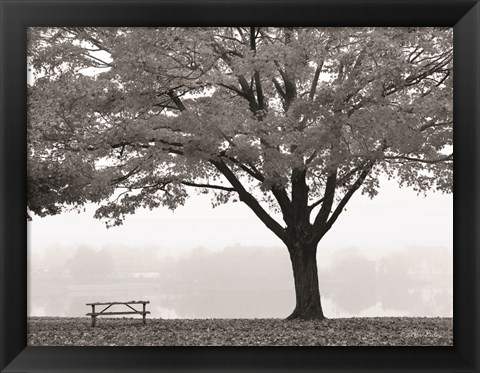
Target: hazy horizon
[[396, 218]]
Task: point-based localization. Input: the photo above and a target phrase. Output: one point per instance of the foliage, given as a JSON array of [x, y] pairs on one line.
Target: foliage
[[387, 331], [292, 120]]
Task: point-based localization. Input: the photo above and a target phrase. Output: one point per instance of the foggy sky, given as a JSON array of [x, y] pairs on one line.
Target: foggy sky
[[396, 218]]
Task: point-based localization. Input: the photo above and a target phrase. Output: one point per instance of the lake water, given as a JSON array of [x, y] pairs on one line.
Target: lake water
[[69, 299]]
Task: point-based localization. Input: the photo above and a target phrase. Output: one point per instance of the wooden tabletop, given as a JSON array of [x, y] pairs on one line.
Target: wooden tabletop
[[107, 303]]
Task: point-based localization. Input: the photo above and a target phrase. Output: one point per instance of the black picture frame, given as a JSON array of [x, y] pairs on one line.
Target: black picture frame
[[16, 16]]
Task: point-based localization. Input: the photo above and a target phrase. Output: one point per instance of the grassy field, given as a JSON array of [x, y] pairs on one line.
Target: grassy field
[[382, 331]]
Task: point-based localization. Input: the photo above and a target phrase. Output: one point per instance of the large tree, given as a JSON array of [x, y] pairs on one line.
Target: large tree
[[289, 121]]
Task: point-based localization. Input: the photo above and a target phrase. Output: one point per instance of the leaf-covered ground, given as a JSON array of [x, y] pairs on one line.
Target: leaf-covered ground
[[382, 331]]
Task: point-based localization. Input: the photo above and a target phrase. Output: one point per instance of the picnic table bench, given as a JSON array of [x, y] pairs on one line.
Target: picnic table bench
[[132, 310]]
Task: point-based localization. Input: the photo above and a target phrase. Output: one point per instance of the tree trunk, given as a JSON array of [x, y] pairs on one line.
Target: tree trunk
[[305, 274]]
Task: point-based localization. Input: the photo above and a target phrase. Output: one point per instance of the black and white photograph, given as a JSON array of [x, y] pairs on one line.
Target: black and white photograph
[[240, 186]]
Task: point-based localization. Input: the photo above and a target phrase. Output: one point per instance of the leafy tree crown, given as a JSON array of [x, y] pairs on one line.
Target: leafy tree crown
[[274, 117]]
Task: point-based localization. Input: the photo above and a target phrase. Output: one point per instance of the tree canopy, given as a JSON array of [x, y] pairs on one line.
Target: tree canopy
[[274, 117]]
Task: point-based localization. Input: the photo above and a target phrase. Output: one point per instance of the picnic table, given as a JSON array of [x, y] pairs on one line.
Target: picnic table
[[94, 314]]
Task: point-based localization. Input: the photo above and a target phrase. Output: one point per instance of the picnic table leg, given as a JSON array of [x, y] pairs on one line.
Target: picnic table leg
[[144, 314], [94, 318]]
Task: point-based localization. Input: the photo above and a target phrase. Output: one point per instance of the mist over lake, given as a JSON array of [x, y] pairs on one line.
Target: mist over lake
[[227, 283]]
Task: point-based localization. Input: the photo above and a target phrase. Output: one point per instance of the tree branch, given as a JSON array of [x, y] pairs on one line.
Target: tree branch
[[250, 200], [447, 158], [120, 179], [315, 81], [300, 191], [430, 125], [348, 195], [321, 229], [258, 83], [338, 182], [415, 79], [289, 76], [176, 100], [278, 192], [236, 90], [247, 91], [251, 170], [279, 88], [209, 186], [328, 198]]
